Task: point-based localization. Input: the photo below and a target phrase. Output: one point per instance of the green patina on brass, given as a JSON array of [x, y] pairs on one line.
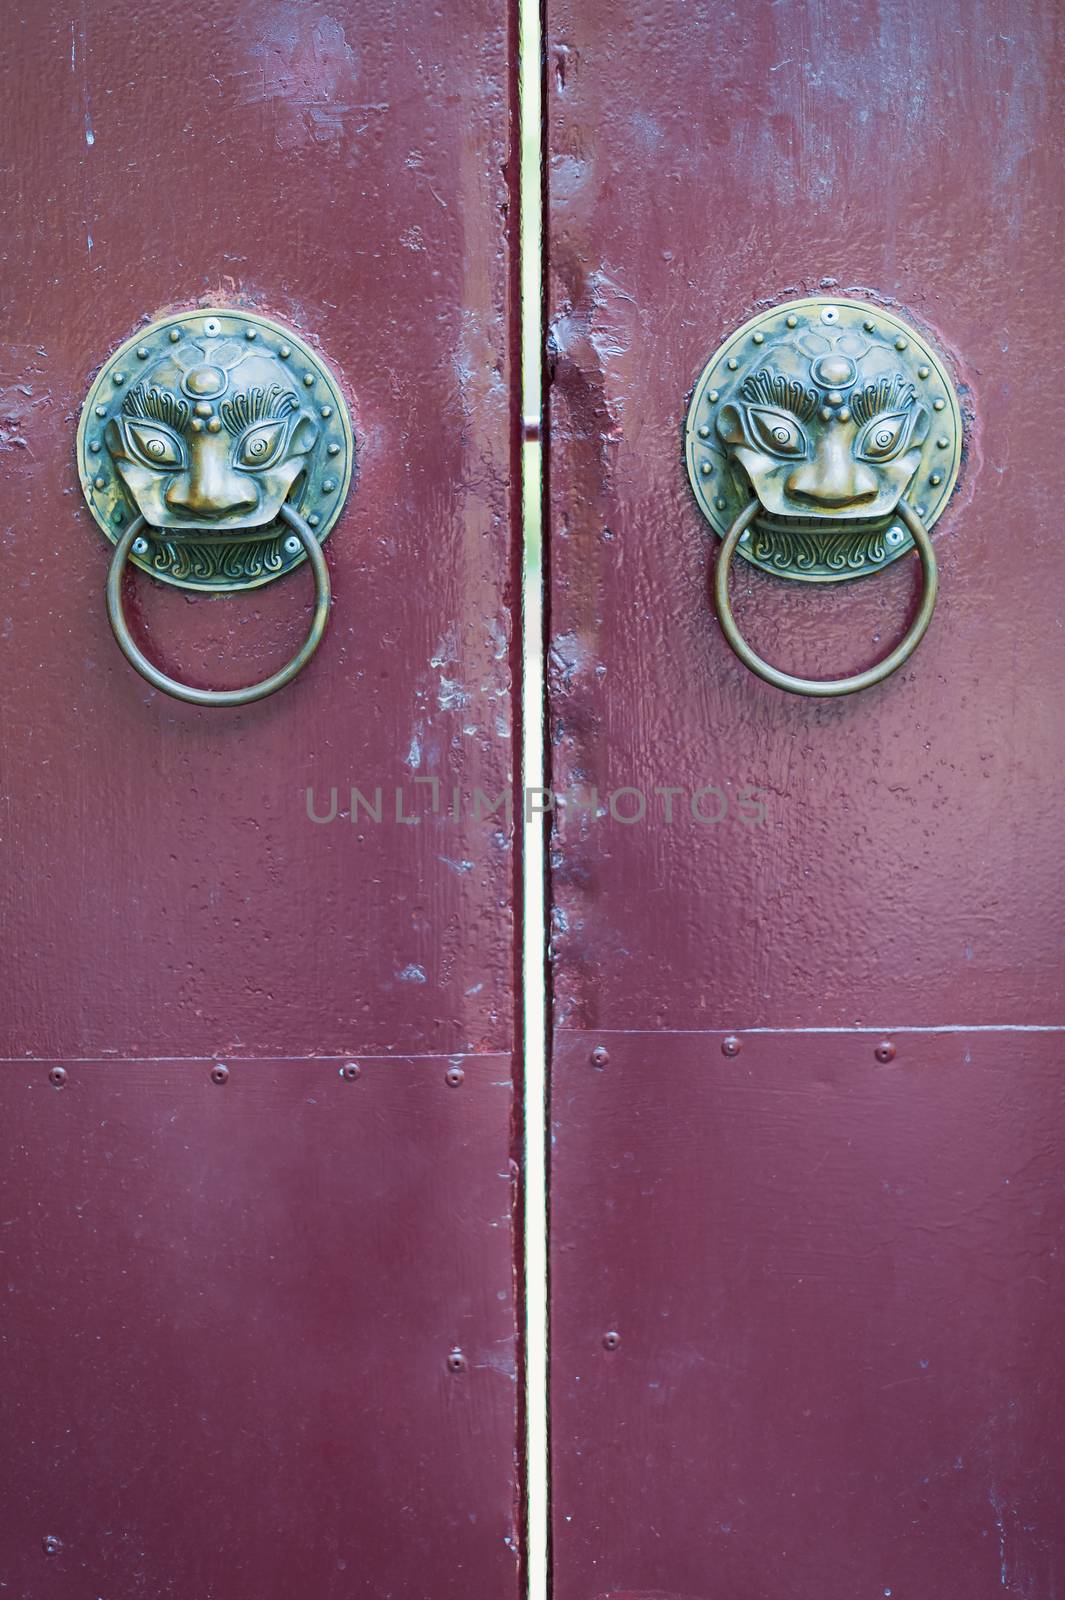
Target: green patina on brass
[[206, 424], [828, 412]]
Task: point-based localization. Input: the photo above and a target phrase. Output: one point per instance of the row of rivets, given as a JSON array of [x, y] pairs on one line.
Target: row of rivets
[[731, 1045], [454, 1077]]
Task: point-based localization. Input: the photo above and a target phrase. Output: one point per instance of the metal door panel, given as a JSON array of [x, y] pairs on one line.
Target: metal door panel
[[258, 1336], [836, 1288], [781, 1238], [232, 1306], [342, 169], [909, 864]]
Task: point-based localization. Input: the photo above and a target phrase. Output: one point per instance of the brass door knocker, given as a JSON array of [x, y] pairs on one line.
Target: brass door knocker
[[215, 453], [805, 432]]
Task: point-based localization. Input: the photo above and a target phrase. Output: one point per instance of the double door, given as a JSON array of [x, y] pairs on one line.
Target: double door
[[262, 1095]]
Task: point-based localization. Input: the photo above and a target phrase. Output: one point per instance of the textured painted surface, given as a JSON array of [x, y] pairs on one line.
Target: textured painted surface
[[342, 168], [703, 159], [228, 1320], [228, 1310], [836, 1285], [838, 1289]]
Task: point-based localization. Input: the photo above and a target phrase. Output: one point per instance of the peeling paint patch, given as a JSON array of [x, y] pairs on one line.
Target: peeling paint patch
[[451, 695], [997, 1507], [306, 71], [446, 650], [497, 638]]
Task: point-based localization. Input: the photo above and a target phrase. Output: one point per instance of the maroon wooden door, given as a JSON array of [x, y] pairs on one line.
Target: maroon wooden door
[[258, 1324], [806, 1303]]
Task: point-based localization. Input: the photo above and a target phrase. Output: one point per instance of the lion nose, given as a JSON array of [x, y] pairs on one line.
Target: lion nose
[[833, 477], [210, 487]]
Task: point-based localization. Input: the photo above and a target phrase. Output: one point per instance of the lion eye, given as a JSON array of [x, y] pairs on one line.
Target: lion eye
[[883, 437], [154, 444], [260, 446], [776, 432]]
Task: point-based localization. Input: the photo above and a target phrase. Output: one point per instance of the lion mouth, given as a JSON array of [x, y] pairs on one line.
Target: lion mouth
[[846, 527]]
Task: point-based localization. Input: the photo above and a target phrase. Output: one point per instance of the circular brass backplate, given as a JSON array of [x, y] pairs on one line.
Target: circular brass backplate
[[205, 422], [828, 364]]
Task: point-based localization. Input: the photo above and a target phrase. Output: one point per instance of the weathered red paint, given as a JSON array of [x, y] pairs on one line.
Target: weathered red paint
[[230, 1315], [780, 1237], [910, 865], [837, 1292], [229, 1326]]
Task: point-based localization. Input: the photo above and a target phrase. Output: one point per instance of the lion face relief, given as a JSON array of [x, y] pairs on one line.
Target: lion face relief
[[212, 436], [212, 429], [828, 413], [826, 429]]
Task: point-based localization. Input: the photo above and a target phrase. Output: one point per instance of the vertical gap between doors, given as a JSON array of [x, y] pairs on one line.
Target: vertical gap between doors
[[532, 757]]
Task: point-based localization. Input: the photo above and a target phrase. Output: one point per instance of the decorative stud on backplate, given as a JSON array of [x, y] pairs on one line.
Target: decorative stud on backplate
[[817, 439], [201, 460]]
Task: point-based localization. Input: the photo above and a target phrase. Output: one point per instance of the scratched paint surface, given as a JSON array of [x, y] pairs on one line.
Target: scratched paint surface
[[782, 1238], [342, 168], [705, 158], [229, 1316], [837, 1288], [229, 1310]]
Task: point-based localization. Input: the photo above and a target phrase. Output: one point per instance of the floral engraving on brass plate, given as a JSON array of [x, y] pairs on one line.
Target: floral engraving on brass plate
[[829, 411], [206, 423]]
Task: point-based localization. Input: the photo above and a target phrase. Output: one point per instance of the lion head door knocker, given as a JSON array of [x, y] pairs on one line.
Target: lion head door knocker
[[823, 441], [215, 453]]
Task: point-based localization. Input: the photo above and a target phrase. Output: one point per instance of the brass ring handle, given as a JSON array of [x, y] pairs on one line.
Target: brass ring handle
[[220, 697], [826, 687]]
